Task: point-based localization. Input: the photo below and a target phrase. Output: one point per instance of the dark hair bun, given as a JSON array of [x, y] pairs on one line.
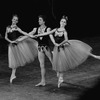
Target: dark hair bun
[[64, 17]]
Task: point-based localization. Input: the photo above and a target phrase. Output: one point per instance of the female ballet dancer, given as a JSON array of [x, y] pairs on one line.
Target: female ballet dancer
[[19, 52], [67, 54], [43, 47]]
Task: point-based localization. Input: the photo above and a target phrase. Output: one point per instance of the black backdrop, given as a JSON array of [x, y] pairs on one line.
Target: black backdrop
[[83, 16]]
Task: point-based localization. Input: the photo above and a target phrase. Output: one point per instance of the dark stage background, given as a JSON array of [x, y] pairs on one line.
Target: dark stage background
[[83, 24], [83, 16]]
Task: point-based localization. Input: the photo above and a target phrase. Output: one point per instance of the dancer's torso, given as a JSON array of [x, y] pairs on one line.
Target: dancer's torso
[[13, 35], [42, 41], [59, 36]]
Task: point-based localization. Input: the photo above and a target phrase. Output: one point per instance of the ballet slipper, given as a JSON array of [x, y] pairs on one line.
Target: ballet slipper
[[97, 57], [11, 79], [60, 81], [40, 84]]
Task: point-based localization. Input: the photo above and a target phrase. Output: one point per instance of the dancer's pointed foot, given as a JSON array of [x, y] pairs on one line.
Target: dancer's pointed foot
[[41, 84], [97, 57], [11, 78], [60, 81]]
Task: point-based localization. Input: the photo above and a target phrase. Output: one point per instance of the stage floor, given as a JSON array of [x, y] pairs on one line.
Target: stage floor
[[76, 81]]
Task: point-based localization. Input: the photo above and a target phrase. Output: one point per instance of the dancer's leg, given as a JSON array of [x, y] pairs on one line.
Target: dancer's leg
[[60, 79], [13, 76], [41, 58], [49, 54], [95, 56]]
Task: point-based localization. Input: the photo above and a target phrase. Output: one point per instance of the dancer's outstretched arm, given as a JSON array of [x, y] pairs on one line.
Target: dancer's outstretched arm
[[24, 33], [30, 34], [46, 33], [33, 31]]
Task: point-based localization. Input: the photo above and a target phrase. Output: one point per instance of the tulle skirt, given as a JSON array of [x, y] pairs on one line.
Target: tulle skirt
[[70, 56], [21, 53]]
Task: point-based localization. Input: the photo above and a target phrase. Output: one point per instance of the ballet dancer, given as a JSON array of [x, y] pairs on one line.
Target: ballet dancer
[[67, 54], [43, 46], [20, 51]]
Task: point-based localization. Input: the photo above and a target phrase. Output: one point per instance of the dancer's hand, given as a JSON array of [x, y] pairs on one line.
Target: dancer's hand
[[56, 44], [64, 43], [32, 36], [17, 40], [13, 42], [35, 36]]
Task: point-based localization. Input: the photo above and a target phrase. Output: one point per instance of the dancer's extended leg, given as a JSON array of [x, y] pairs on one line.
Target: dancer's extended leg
[[60, 79], [95, 56]]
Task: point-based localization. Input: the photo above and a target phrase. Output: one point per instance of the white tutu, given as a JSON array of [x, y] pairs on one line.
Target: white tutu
[[21, 53], [70, 56]]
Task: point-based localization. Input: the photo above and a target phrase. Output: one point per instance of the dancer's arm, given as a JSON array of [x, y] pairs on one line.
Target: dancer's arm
[[21, 38], [51, 37], [24, 33], [46, 33], [53, 40], [66, 39], [48, 29], [66, 35], [33, 31], [30, 34]]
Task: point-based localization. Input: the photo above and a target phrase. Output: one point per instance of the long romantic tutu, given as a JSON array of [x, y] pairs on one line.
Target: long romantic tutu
[[70, 56], [21, 53]]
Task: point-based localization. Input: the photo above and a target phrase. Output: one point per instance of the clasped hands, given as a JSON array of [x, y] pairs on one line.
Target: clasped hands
[[61, 44], [33, 36]]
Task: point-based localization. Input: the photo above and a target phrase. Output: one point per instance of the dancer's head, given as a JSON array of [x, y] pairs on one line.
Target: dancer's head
[[14, 19], [63, 21], [41, 19]]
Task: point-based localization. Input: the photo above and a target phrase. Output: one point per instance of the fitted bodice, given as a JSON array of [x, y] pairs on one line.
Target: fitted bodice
[[14, 35], [59, 36], [43, 40]]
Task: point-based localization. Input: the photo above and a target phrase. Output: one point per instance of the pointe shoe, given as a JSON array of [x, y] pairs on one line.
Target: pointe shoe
[[11, 79], [59, 82], [98, 57], [40, 84]]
